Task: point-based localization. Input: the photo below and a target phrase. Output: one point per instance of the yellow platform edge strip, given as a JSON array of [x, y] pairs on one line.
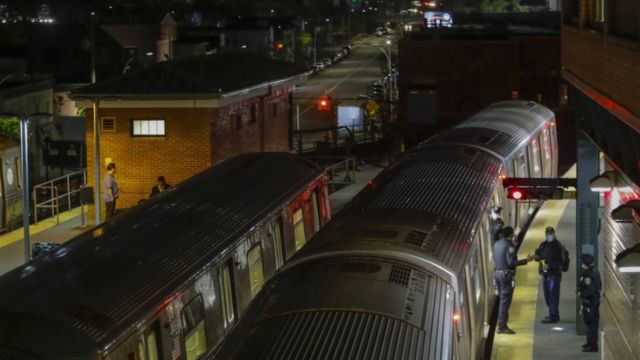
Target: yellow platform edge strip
[[18, 235]]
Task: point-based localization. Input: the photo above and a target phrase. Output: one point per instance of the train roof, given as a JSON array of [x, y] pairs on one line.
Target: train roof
[[100, 282], [501, 128], [435, 193]]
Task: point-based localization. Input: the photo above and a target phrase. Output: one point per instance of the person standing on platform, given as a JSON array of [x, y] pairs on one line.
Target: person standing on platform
[[111, 191], [589, 287], [506, 261], [551, 256], [160, 187]]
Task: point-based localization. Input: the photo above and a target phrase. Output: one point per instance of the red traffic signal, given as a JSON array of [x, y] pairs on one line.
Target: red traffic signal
[[324, 103], [516, 194]]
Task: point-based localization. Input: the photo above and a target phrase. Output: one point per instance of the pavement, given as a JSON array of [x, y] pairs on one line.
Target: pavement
[[47, 231]]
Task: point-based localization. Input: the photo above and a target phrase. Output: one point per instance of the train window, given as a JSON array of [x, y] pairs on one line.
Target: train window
[[298, 229], [195, 340], [520, 166], [256, 272], [316, 211], [276, 235], [142, 354], [152, 346], [227, 295], [475, 273]]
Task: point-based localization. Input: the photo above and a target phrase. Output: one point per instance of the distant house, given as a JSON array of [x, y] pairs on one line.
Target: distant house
[[176, 118]]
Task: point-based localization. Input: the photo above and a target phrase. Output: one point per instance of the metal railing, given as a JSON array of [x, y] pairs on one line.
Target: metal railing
[[61, 192], [341, 170], [334, 137]]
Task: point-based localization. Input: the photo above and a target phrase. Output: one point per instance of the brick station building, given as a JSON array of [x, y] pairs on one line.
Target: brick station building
[[177, 118]]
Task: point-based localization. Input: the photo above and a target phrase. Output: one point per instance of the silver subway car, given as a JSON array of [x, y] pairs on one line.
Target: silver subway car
[[171, 277], [404, 271]]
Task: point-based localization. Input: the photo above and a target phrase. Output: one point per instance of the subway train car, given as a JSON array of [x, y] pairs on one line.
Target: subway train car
[[404, 271], [10, 185], [170, 277]]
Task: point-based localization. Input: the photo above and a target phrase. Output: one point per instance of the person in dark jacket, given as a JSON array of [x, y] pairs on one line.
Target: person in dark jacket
[[550, 255], [496, 223], [589, 287], [160, 187], [506, 261]]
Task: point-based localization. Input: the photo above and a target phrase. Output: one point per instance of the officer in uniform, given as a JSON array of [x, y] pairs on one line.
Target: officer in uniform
[[506, 261], [589, 287]]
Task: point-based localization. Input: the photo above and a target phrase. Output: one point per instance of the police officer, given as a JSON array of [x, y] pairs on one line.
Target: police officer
[[589, 287], [550, 255], [506, 261]]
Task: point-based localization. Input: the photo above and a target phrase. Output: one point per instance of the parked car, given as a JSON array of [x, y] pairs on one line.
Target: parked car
[[319, 66], [327, 62]]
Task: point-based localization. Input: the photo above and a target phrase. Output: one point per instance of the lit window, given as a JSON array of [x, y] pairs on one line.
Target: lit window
[[195, 340], [148, 128], [256, 273], [227, 296]]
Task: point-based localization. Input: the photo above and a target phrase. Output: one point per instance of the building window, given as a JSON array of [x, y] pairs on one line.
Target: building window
[[148, 128], [108, 124], [236, 121], [254, 113], [274, 110]]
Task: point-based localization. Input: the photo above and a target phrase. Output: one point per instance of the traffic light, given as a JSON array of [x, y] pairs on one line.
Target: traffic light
[[539, 193], [279, 46], [324, 103], [515, 193]]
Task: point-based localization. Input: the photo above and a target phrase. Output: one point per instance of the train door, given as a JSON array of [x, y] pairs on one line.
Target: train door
[[487, 263], [475, 300], [553, 137], [316, 211], [194, 329], [520, 171], [535, 161], [547, 155], [256, 269], [278, 244], [149, 344]]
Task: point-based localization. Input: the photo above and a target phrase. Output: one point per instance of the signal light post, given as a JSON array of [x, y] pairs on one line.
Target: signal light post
[[539, 188]]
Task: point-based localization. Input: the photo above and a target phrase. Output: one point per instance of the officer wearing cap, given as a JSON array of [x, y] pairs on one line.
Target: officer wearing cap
[[551, 256], [589, 287], [506, 261]]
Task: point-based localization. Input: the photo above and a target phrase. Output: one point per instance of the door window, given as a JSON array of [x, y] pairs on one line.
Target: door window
[[256, 272], [195, 341]]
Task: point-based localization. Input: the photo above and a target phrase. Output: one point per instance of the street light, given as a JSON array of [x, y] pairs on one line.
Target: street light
[[24, 163]]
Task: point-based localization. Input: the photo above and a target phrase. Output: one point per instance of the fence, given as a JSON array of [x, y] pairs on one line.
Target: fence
[[325, 139], [60, 193]]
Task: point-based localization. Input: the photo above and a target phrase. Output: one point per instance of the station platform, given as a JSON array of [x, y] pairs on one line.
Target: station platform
[[534, 340]]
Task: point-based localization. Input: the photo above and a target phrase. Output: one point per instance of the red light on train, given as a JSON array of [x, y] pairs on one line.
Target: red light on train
[[372, 184]]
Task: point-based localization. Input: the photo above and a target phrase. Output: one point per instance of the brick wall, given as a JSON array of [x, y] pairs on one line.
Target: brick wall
[[609, 65], [265, 133], [468, 75], [183, 152]]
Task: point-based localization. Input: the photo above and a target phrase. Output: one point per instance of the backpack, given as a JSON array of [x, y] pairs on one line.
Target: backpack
[[565, 259]]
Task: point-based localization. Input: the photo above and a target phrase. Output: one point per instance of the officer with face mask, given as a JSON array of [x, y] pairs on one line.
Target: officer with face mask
[[551, 256], [506, 261], [589, 287]]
